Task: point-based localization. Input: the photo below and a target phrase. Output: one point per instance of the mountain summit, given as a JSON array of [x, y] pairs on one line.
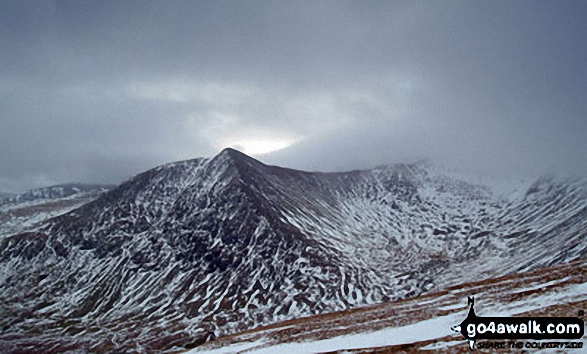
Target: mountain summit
[[229, 243]]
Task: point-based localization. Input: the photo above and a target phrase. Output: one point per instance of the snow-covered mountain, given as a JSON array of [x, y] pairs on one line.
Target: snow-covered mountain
[[39, 195], [423, 323], [229, 243], [20, 212]]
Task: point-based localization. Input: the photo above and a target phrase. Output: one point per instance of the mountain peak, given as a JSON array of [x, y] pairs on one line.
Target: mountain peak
[[228, 243], [233, 156], [233, 153]]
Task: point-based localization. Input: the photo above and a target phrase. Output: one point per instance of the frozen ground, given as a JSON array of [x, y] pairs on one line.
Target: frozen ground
[[428, 319]]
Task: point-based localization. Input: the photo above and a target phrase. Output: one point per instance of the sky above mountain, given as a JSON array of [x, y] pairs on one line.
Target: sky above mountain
[[96, 91]]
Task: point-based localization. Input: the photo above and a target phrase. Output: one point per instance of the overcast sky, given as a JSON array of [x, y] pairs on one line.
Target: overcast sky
[[97, 91]]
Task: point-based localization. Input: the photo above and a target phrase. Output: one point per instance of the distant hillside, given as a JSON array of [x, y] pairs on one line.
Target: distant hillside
[[21, 212], [53, 192]]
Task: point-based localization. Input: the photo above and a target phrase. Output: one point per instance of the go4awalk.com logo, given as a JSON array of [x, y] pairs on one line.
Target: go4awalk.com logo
[[475, 328]]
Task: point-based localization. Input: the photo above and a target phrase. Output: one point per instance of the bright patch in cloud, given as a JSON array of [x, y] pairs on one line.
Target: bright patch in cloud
[[260, 147]]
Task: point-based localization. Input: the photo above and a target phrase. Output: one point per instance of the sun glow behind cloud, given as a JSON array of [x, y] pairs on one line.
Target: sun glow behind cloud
[[255, 119], [261, 147]]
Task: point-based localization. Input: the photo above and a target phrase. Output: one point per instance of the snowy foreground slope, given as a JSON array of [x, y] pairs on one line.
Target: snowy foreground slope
[[421, 323], [228, 244]]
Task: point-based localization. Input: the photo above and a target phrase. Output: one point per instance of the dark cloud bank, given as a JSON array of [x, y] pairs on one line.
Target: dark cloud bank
[[96, 91]]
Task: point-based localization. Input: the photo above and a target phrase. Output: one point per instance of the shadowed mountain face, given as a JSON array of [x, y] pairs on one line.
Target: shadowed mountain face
[[228, 243]]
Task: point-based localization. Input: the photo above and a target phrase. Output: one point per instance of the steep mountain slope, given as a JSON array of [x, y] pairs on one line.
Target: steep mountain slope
[[228, 243], [423, 322]]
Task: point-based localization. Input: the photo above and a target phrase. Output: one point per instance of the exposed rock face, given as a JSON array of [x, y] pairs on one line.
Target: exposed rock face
[[228, 243]]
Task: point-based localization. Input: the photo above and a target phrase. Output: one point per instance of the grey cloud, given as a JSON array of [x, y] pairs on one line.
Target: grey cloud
[[99, 90]]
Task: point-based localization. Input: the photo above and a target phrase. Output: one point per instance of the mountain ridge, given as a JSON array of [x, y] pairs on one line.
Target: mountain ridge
[[228, 243], [22, 212], [53, 192]]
